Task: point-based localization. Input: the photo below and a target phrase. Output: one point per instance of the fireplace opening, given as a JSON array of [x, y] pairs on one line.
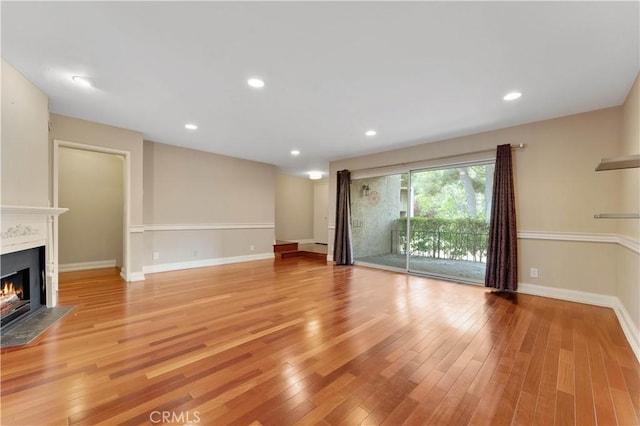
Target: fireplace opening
[[14, 296], [22, 284]]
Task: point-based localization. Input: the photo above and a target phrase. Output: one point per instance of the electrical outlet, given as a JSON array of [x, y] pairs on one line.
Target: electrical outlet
[[156, 255], [252, 247], [533, 272]]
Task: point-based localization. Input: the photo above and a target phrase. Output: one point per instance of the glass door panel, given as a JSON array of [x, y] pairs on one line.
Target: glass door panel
[[449, 221], [378, 215]]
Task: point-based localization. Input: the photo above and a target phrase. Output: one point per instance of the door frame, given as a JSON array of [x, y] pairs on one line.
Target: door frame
[[409, 215], [126, 239]]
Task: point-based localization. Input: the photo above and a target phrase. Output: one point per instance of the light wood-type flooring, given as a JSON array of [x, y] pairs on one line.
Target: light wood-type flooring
[[299, 342]]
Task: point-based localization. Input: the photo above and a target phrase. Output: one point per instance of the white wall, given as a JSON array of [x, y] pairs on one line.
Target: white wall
[[90, 185]]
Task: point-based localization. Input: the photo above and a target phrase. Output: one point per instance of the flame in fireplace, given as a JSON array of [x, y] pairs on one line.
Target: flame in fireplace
[[9, 294]]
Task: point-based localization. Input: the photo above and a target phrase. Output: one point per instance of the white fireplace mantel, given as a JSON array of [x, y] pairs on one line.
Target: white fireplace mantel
[[25, 227], [31, 210]]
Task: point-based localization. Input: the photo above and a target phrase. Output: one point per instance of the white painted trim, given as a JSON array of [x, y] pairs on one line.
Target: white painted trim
[[631, 332], [330, 257], [83, 266], [629, 329], [566, 294], [568, 236], [629, 243], [27, 227], [150, 269], [47, 211], [136, 229], [26, 245], [332, 227], [622, 240], [208, 226], [134, 276]]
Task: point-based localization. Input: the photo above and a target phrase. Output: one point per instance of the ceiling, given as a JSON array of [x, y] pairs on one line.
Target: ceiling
[[414, 71]]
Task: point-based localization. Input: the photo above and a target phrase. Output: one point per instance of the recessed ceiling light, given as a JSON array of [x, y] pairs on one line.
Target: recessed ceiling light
[[191, 126], [255, 82], [512, 96], [315, 175], [371, 133], [81, 81], [295, 152]]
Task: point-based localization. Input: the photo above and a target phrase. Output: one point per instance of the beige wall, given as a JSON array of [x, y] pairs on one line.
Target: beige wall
[[294, 208], [25, 136], [557, 190], [630, 178], [320, 211], [70, 129], [90, 185], [628, 262], [185, 188], [101, 135]]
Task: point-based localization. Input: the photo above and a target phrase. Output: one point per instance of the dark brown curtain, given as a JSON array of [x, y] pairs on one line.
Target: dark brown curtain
[[342, 247], [502, 250]]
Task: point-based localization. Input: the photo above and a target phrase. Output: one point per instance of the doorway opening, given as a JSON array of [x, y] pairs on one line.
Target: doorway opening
[[449, 224], [94, 183]]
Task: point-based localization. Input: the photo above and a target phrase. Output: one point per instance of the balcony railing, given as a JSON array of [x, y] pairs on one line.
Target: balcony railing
[[443, 239]]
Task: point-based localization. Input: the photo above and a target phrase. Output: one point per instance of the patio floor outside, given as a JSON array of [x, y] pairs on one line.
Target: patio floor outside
[[472, 271]]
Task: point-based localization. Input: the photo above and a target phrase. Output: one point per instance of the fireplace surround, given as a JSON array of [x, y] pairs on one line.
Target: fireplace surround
[[30, 229]]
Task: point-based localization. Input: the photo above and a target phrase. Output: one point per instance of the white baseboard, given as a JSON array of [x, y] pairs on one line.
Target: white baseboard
[[629, 329], [132, 277], [329, 257], [83, 266], [165, 267], [566, 294]]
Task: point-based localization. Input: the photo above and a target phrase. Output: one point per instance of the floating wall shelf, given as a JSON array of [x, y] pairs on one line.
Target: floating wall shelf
[[617, 163], [616, 216]]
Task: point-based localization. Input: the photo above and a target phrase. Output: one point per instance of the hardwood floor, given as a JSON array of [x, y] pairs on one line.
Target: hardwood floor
[[298, 342]]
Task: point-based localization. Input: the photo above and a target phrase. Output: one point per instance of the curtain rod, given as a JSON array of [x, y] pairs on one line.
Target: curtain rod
[[483, 151]]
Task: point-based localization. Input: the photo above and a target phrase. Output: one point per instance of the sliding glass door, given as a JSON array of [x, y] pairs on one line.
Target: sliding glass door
[[449, 221], [432, 221], [379, 212]]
